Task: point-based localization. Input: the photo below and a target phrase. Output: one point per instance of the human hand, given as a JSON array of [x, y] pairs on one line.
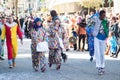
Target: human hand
[[21, 42]]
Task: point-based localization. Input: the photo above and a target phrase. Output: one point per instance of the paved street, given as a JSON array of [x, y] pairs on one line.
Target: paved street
[[78, 67]]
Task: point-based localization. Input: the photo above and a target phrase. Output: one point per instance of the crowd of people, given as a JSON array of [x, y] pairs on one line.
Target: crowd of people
[[62, 33]]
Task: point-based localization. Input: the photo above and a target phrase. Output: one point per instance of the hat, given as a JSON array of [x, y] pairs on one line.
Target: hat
[[37, 19]]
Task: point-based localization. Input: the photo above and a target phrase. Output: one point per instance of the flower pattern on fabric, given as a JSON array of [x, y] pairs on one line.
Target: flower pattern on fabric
[[54, 46], [89, 30], [38, 58]]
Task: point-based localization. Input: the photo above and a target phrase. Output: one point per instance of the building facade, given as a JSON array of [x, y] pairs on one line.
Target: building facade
[[64, 6]]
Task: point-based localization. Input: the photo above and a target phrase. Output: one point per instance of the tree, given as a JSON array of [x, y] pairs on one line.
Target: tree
[[91, 3], [16, 7]]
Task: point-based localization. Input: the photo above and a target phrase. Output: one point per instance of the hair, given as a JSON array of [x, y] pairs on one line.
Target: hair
[[3, 17], [53, 13], [101, 12], [111, 33], [114, 18]]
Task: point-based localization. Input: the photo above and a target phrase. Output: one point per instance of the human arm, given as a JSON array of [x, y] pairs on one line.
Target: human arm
[[96, 26], [20, 34]]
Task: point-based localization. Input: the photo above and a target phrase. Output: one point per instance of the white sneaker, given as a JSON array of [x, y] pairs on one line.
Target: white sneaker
[[101, 71]]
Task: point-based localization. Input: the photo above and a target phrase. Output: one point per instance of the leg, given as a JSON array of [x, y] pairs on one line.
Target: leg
[[15, 51], [107, 50], [102, 50], [58, 58], [101, 60], [42, 61], [51, 57], [75, 46], [79, 43], [10, 55], [1, 53], [35, 61], [83, 37], [97, 52], [118, 51]]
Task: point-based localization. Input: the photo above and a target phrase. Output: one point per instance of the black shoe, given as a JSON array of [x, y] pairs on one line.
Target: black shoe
[[58, 67], [91, 59], [67, 49], [50, 65], [43, 69], [1, 58], [10, 66], [86, 50]]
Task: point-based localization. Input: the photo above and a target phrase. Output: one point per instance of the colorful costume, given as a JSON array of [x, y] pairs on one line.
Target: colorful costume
[[10, 31], [38, 34], [90, 37], [113, 45], [54, 46], [38, 58]]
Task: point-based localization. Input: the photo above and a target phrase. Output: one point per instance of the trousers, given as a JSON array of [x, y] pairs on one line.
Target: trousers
[[99, 47]]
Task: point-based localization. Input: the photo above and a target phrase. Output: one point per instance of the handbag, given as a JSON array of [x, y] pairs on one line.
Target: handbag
[[42, 47]]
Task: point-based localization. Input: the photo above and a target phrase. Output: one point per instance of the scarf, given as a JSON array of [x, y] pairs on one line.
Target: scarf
[[36, 27]]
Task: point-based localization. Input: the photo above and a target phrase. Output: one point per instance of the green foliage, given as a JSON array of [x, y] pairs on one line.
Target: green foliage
[[92, 3], [42, 0]]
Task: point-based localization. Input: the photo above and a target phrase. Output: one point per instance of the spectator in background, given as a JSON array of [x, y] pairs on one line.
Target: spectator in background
[[3, 21], [112, 44], [81, 31]]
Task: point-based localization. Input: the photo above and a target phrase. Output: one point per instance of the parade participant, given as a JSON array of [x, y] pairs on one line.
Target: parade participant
[[10, 31], [38, 34], [61, 34], [90, 38], [55, 51], [100, 33]]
